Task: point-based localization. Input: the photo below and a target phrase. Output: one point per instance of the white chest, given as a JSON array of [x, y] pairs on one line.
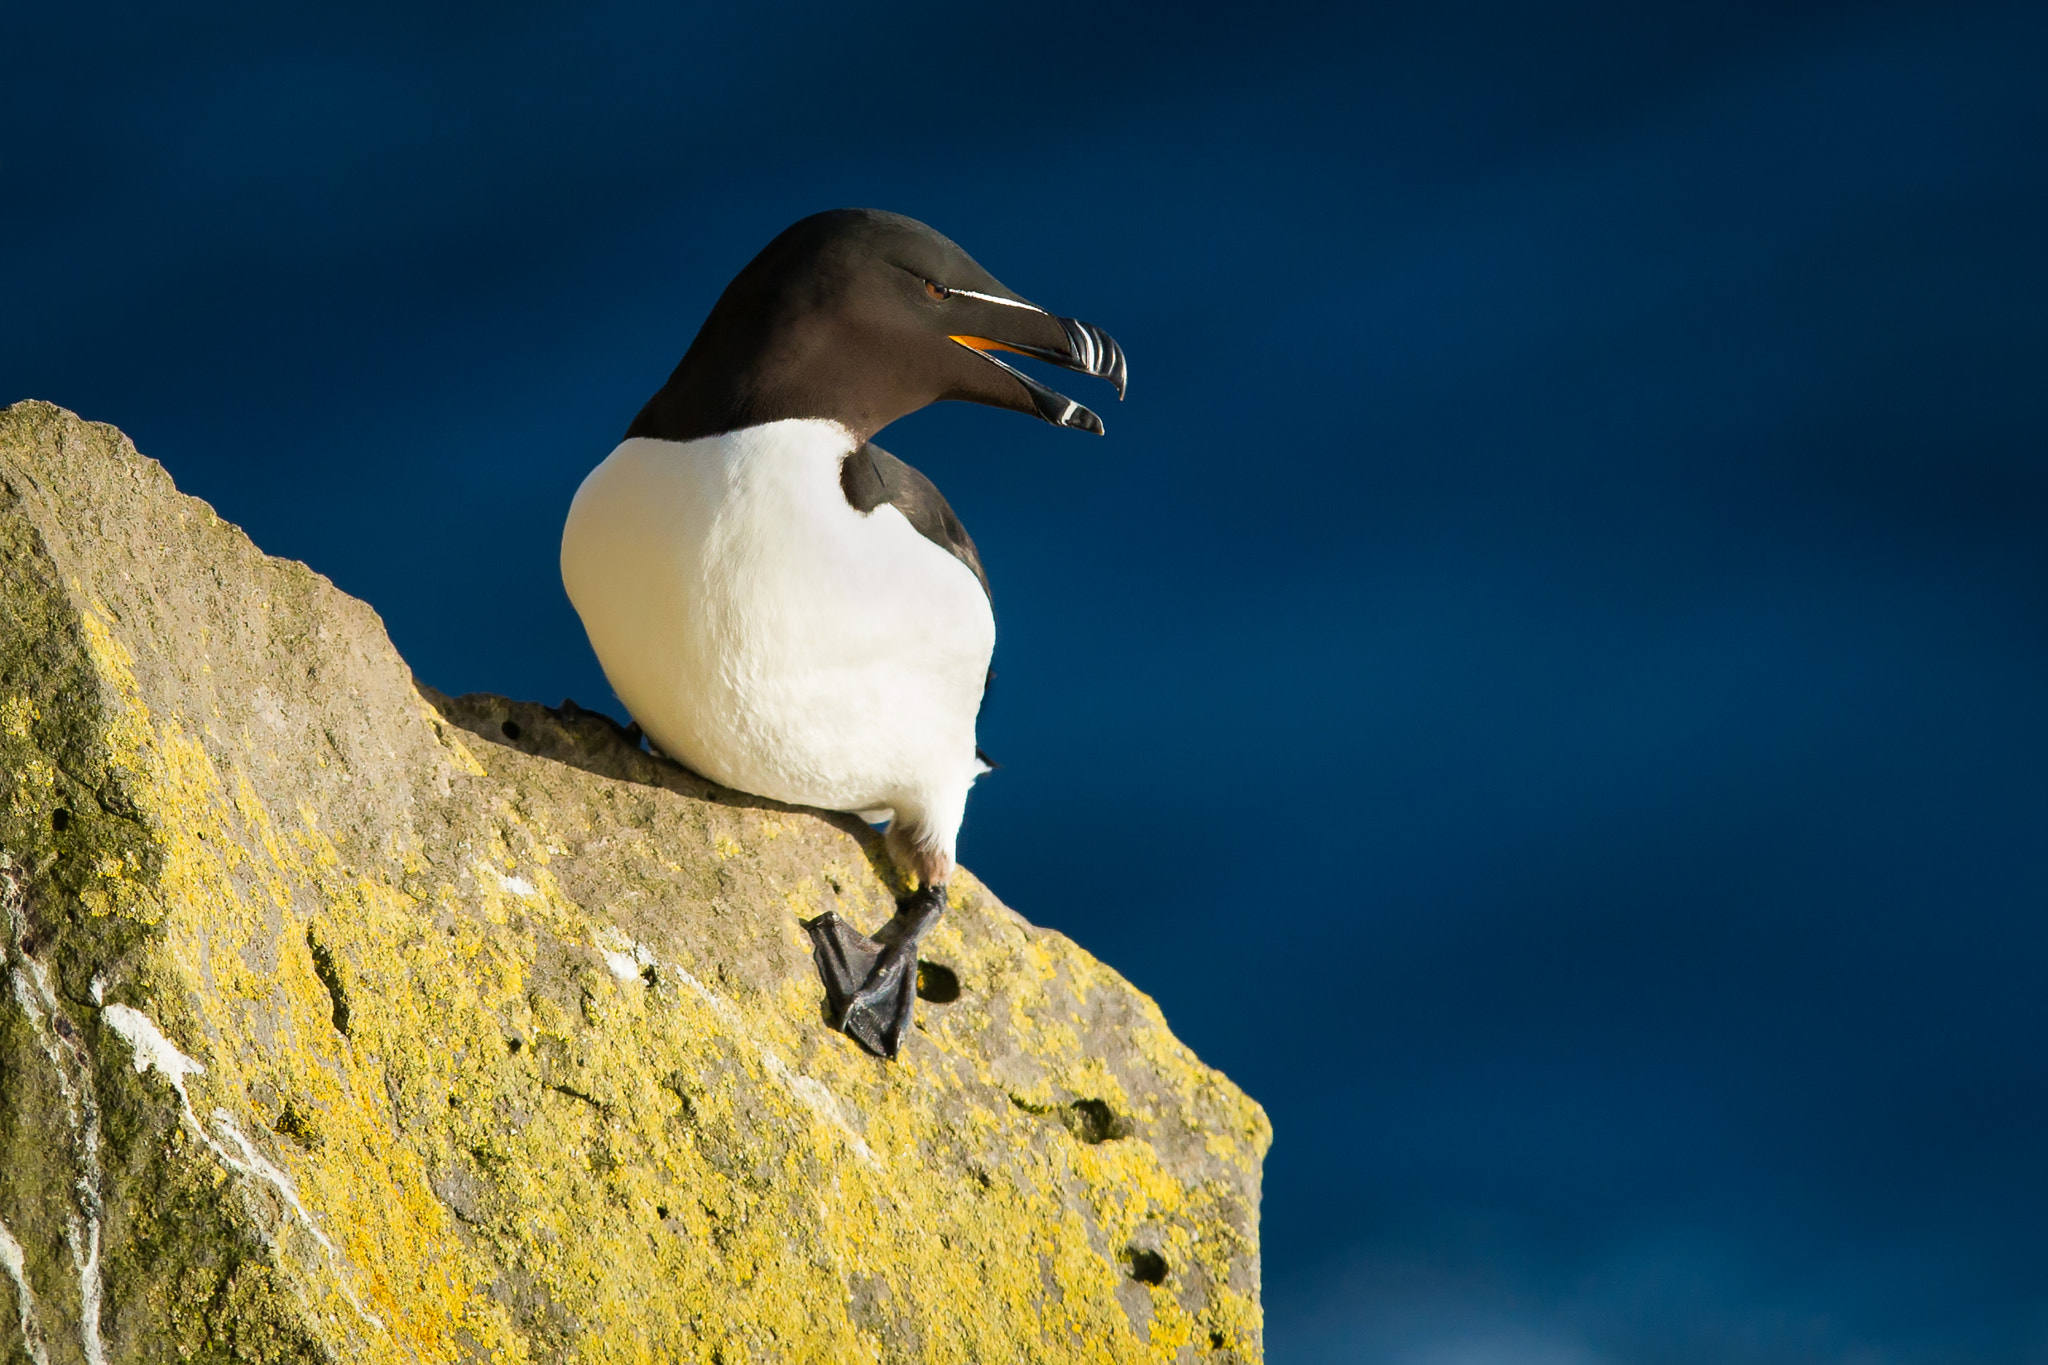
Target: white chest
[[768, 634]]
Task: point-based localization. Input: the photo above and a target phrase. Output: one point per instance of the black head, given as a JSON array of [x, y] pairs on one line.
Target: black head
[[863, 317]]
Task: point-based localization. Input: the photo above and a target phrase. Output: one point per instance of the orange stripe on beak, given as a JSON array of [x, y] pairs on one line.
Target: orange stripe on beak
[[984, 344]]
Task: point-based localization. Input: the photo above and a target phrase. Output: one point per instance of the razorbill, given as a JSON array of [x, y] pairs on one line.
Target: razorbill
[[785, 606]]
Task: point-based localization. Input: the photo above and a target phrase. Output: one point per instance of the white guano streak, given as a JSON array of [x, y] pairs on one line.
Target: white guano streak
[[38, 1001], [625, 958], [25, 1299], [259, 1166], [153, 1051]]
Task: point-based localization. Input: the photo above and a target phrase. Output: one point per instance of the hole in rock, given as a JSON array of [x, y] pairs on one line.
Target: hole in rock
[[1093, 1121], [661, 1211], [1215, 1341], [512, 1045], [1146, 1267], [60, 819], [510, 729], [937, 984]]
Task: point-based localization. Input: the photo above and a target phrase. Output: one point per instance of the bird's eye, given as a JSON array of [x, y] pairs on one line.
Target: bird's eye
[[937, 291]]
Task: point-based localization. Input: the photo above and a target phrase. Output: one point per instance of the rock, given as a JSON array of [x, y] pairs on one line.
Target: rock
[[342, 1020]]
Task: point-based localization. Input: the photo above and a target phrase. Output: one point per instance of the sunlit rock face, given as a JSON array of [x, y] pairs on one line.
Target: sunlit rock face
[[340, 1020]]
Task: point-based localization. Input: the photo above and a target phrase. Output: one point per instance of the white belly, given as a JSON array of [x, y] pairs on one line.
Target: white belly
[[770, 636]]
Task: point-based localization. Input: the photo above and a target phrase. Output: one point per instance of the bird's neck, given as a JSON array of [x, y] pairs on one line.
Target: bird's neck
[[725, 385]]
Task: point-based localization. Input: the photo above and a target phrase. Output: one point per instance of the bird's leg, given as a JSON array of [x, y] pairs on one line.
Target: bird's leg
[[871, 983]]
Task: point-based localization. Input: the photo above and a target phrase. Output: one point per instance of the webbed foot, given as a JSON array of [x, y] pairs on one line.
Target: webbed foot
[[879, 1015], [845, 956], [871, 983]]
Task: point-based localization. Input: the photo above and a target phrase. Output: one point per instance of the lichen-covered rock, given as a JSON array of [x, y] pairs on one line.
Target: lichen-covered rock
[[340, 1020]]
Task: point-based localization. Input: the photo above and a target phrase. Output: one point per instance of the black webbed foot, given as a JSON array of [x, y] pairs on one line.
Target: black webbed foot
[[845, 957], [871, 983], [879, 1016]]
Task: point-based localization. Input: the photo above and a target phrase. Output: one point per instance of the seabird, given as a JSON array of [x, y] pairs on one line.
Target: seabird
[[786, 607]]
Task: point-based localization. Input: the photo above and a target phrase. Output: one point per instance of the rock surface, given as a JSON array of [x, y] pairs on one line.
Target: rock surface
[[341, 1020]]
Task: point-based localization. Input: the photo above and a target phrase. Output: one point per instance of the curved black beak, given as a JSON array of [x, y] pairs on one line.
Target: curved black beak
[[1087, 349]]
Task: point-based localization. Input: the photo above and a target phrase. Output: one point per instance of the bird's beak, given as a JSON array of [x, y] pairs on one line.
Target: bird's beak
[[1082, 347]]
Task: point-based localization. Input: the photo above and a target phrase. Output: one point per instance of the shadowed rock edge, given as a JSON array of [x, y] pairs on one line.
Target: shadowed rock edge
[[342, 1020]]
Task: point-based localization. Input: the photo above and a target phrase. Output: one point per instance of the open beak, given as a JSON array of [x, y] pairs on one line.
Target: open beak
[[1087, 350]]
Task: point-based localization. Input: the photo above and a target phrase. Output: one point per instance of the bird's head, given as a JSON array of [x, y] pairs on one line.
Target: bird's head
[[863, 317]]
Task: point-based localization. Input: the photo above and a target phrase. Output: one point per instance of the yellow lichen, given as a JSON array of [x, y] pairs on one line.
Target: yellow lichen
[[17, 713], [526, 1134]]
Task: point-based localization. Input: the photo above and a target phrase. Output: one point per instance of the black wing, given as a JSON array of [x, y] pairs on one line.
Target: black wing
[[872, 476]]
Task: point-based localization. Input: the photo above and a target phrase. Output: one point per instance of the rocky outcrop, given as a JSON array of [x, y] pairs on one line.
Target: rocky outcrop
[[341, 1020]]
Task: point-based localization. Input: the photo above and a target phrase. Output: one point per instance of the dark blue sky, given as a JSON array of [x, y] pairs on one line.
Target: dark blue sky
[[1546, 679]]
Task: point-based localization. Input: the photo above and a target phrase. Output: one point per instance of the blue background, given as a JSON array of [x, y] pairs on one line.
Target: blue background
[[1543, 680]]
